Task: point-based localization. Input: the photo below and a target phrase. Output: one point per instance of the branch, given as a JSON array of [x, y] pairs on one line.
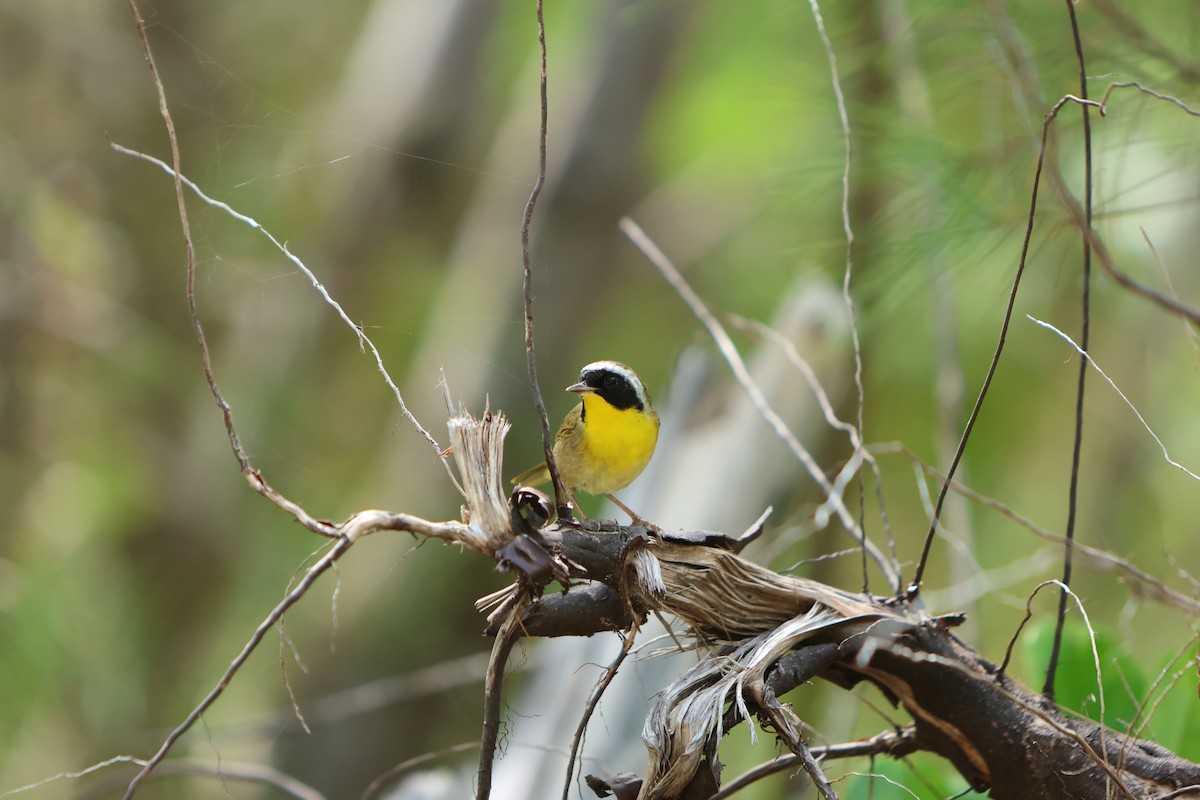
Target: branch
[[848, 271], [897, 744], [223, 771], [833, 498], [1145, 583], [915, 587], [593, 701], [999, 735], [560, 493], [1081, 381], [492, 695], [1087, 359], [339, 549]]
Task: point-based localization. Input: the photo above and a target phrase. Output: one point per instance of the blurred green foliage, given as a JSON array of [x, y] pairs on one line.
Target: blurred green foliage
[[391, 146]]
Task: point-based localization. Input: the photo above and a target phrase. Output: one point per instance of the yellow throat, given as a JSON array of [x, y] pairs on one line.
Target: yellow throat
[[613, 447]]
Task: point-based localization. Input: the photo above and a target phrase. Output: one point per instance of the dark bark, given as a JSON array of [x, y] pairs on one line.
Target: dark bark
[[1001, 737]]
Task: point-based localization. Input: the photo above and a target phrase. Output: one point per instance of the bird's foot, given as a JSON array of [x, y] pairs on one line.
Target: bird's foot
[[591, 525], [635, 517]]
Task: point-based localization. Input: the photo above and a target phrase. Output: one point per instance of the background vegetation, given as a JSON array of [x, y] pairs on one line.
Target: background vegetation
[[392, 146]]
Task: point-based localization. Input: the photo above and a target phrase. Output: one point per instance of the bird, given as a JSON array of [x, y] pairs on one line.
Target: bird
[[606, 441]]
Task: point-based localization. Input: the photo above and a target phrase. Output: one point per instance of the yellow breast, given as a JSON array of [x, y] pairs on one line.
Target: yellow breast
[[609, 449]]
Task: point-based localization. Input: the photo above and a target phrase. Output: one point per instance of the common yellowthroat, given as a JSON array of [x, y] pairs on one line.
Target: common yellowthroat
[[607, 440]]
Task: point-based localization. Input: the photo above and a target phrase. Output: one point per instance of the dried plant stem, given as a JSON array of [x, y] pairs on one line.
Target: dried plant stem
[[1081, 381], [914, 588], [1089, 360], [895, 743], [1145, 583], [834, 500], [365, 341], [594, 700], [791, 737], [492, 696], [848, 271], [560, 493], [376, 786], [337, 551], [222, 770]]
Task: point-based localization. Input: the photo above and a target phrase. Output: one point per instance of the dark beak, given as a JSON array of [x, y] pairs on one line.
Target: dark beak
[[580, 388]]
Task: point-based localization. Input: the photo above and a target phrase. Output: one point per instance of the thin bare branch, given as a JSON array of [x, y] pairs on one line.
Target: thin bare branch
[[1012, 642], [509, 632], [884, 778], [1145, 90], [1147, 708], [62, 776], [338, 550], [791, 737], [222, 770], [594, 700], [1165, 302], [1144, 583], [365, 341], [896, 743], [727, 348], [915, 587], [1081, 381], [1189, 327], [848, 230], [379, 784], [560, 494], [757, 329], [1088, 359]]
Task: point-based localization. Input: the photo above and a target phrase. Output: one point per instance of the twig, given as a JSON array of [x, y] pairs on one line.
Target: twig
[[756, 328], [377, 785], [349, 532], [791, 737], [108, 762], [659, 259], [1147, 583], [1059, 624], [1081, 382], [1146, 90], [915, 587], [364, 340], [368, 697], [1082, 217], [1087, 359], [1000, 671], [593, 701], [223, 770], [1147, 709], [894, 743], [847, 144], [883, 778], [1188, 327], [337, 551], [560, 494], [492, 695], [1111, 269]]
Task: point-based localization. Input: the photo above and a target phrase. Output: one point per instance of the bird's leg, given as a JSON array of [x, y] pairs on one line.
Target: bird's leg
[[637, 520], [581, 520]]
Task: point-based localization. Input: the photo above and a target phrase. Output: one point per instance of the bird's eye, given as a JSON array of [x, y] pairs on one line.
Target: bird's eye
[[610, 381]]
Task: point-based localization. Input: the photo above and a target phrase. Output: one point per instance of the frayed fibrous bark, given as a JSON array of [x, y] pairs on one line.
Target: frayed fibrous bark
[[755, 616], [478, 449]]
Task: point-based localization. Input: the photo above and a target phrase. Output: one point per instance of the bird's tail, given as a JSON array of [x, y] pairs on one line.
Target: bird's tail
[[534, 476]]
